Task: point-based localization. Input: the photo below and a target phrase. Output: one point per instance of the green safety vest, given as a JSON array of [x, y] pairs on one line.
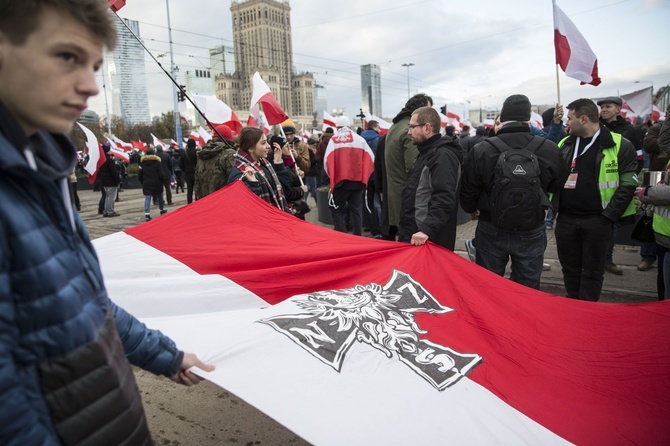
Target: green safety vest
[[662, 217], [608, 177]]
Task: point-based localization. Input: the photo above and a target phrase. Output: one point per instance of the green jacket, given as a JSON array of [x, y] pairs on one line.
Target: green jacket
[[215, 161], [400, 155]]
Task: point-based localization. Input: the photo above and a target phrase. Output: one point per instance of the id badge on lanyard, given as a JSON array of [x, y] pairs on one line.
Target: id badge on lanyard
[[572, 178]]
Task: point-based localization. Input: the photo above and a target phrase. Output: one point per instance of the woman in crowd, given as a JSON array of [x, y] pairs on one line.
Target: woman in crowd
[[265, 179]]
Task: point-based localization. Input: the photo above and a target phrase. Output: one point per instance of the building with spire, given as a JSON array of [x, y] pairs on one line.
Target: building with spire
[[263, 43]]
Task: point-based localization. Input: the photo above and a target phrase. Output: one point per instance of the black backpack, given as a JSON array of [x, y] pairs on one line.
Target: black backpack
[[517, 199]]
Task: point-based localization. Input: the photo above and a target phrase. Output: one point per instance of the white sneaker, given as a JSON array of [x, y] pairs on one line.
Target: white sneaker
[[546, 267], [471, 250]]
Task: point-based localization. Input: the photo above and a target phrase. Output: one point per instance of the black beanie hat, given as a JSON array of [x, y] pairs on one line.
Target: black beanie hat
[[515, 108], [190, 143]]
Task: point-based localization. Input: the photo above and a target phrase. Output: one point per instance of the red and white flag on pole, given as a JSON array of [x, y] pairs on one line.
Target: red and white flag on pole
[[120, 154], [157, 141], [139, 145], [328, 121], [121, 144], [263, 96], [388, 343], [261, 123], [218, 112], [573, 53], [96, 156]]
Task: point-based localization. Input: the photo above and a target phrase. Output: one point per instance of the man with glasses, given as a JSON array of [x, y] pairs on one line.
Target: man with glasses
[[429, 203]]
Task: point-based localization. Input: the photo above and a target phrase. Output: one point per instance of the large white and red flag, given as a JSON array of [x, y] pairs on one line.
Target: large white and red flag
[[262, 96], [381, 342], [573, 53], [157, 141], [96, 156], [348, 157], [218, 112], [328, 121], [139, 145], [120, 154], [120, 144], [639, 101]]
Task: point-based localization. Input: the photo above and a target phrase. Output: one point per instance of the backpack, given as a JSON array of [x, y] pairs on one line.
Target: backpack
[[517, 201]]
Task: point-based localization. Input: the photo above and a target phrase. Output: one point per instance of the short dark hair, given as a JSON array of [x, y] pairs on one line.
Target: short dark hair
[[20, 18], [428, 115], [418, 100], [249, 137], [372, 124], [586, 107]]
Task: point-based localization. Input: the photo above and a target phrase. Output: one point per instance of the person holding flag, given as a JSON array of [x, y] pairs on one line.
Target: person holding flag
[[65, 346]]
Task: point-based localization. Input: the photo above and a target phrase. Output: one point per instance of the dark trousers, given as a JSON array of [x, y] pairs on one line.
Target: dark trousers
[[101, 203], [168, 191], [340, 199], [179, 177], [74, 195], [661, 257], [190, 183], [373, 209], [582, 244]]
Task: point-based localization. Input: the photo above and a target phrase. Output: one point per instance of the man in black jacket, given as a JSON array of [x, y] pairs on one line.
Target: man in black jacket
[[188, 161], [109, 178], [429, 203], [495, 245], [166, 166]]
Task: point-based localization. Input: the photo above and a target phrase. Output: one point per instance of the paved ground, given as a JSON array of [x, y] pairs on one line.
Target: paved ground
[[209, 415]]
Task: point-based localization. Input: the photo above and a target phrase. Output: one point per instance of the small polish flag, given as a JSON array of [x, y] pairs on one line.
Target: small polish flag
[[573, 53], [96, 156], [328, 121], [218, 112], [157, 141], [262, 95]]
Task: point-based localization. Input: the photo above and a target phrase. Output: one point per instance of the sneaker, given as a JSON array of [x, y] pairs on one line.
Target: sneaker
[[614, 269], [546, 267], [113, 214], [471, 250], [644, 266], [163, 211], [147, 217], [549, 226]]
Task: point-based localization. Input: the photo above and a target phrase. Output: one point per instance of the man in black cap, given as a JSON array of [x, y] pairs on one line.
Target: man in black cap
[[511, 195], [610, 107]]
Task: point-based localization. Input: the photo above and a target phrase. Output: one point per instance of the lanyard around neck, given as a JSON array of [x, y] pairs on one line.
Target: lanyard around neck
[[588, 146]]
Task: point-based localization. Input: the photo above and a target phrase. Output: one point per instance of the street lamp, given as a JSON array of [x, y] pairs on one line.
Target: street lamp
[[651, 110], [407, 65]]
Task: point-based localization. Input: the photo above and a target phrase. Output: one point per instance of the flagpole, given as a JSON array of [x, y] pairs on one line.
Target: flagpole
[[281, 129], [558, 86]]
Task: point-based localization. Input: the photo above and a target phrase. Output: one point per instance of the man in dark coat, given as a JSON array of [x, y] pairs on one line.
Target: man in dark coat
[[152, 179], [109, 179], [188, 163], [167, 168], [429, 204], [495, 245]]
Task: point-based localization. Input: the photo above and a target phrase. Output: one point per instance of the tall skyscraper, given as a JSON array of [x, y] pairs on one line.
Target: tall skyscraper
[[320, 100], [127, 70], [200, 82], [262, 40], [221, 60], [371, 89]]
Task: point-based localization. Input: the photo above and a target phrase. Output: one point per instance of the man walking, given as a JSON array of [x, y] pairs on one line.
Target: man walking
[[597, 179], [430, 201], [507, 179]]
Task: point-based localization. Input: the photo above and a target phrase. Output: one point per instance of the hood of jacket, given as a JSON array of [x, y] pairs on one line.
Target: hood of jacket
[[150, 160], [437, 141], [369, 135], [210, 150], [404, 113]]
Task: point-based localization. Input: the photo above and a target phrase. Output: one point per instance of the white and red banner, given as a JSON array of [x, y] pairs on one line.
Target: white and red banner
[[640, 101], [262, 96], [120, 154], [96, 156], [451, 118], [328, 121], [139, 145], [381, 342], [573, 53], [348, 157], [120, 144], [218, 112]]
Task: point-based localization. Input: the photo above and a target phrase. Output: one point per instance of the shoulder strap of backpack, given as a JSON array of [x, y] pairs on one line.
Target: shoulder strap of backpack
[[502, 146], [499, 144]]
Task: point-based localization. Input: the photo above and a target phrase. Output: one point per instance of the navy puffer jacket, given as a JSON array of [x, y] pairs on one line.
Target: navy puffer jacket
[[52, 296]]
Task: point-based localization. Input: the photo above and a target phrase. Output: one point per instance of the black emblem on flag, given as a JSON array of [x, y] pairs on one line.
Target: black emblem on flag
[[381, 316]]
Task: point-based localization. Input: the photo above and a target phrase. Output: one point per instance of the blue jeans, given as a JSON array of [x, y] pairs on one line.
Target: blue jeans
[[310, 182], [648, 252], [496, 247], [147, 203]]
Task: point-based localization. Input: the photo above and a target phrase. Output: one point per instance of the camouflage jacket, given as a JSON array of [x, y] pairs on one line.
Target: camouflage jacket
[[215, 162]]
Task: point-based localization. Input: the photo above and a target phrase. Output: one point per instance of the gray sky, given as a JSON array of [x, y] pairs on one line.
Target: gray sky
[[463, 52]]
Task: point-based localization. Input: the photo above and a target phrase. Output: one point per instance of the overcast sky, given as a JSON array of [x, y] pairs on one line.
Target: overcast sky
[[463, 52]]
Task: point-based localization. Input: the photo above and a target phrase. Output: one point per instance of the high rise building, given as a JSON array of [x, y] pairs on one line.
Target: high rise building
[[371, 89], [222, 60], [200, 82], [320, 100], [127, 75], [262, 40]]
